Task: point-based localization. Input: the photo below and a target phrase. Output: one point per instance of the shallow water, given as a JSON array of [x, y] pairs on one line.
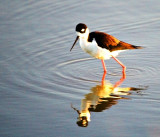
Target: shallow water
[[40, 77]]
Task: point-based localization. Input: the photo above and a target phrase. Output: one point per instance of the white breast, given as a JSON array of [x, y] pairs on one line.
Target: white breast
[[94, 50]]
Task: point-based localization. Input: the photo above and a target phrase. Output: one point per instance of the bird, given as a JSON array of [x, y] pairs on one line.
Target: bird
[[101, 45]]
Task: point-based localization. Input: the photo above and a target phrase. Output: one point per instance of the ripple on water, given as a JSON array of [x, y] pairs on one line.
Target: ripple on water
[[89, 70]]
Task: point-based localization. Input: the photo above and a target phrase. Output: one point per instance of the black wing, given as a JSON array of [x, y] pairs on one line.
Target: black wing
[[109, 42]]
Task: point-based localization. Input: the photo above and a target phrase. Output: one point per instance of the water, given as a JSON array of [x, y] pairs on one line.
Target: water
[[40, 77]]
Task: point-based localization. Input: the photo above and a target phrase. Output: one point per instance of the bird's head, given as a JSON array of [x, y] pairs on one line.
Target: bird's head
[[82, 32]]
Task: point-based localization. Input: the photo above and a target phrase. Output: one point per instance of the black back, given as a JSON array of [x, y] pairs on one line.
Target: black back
[[109, 42]]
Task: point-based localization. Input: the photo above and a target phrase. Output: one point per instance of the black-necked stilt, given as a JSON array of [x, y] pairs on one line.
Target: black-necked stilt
[[101, 45]]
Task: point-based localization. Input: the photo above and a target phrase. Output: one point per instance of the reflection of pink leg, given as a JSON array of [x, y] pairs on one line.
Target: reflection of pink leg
[[124, 67], [120, 81], [103, 64], [103, 78]]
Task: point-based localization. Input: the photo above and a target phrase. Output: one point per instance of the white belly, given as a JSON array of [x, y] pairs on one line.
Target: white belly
[[96, 51]]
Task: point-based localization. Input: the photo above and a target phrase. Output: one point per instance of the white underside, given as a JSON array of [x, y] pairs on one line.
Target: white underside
[[94, 50]]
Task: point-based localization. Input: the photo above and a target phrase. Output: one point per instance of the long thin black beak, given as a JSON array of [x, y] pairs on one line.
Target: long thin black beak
[[74, 42]]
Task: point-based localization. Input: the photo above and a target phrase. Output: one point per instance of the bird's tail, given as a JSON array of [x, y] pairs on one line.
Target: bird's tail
[[125, 46], [137, 47]]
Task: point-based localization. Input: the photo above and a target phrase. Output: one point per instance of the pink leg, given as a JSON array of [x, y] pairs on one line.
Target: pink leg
[[103, 78], [120, 81], [124, 67], [104, 67]]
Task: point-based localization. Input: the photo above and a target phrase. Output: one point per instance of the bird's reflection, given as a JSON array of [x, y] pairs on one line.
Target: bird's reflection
[[101, 97]]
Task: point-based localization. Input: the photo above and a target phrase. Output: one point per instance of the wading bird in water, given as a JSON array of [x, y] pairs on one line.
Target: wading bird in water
[[101, 45]]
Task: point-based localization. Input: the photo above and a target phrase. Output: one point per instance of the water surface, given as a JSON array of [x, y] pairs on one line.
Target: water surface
[[40, 77]]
